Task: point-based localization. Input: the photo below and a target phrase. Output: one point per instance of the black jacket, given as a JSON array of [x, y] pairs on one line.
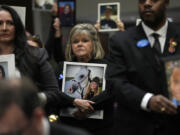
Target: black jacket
[[32, 62], [56, 129], [135, 71]]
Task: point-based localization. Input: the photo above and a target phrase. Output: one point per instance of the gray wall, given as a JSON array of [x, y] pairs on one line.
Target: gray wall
[[87, 12]]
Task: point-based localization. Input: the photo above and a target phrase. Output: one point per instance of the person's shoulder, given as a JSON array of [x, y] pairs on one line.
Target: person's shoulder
[[59, 129], [39, 53]]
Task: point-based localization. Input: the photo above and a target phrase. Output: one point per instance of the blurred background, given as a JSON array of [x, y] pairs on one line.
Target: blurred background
[[38, 20]]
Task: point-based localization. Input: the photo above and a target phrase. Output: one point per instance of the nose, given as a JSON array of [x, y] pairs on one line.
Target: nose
[[148, 3], [4, 26], [79, 43]]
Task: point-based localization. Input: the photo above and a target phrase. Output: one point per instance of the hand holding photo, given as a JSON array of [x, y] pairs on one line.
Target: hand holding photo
[[83, 81], [108, 16]]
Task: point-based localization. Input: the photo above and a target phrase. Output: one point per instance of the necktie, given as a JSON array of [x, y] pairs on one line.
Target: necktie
[[156, 44]]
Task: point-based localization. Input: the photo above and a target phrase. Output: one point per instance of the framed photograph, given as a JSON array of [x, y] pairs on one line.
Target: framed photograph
[[172, 69], [108, 15], [67, 9], [44, 5], [83, 81], [7, 66]]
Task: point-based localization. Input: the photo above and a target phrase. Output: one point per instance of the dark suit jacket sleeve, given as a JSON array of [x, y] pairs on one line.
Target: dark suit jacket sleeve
[[103, 98], [65, 130], [47, 77], [119, 72]]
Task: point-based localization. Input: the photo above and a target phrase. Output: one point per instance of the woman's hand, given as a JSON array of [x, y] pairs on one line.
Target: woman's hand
[[57, 28], [84, 105], [97, 25]]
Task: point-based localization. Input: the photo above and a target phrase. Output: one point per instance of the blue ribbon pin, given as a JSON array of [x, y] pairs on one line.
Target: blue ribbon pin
[[60, 77], [142, 43]]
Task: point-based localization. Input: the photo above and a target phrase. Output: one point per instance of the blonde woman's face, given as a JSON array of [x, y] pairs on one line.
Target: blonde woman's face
[[82, 46]]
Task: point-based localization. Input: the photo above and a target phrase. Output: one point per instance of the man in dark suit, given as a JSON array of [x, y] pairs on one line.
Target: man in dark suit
[[21, 113], [137, 70]]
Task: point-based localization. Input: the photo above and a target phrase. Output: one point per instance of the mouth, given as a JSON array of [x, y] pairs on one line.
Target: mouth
[[4, 35], [148, 12]]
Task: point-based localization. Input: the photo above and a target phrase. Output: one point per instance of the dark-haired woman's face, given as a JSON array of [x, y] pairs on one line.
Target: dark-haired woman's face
[[7, 28]]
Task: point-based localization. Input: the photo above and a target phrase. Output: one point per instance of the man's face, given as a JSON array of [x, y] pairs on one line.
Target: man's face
[[108, 13], [13, 121], [153, 12], [175, 83]]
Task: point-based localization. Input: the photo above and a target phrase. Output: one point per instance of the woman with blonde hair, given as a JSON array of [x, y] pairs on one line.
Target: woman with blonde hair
[[87, 32], [84, 46]]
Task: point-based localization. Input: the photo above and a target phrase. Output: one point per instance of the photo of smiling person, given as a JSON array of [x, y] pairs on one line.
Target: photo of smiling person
[[93, 89], [109, 16]]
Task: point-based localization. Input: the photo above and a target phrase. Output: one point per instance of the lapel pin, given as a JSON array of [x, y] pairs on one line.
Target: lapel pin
[[172, 45], [142, 43]]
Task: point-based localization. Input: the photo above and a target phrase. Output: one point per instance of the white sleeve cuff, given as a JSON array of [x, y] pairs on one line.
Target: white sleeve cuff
[[145, 101]]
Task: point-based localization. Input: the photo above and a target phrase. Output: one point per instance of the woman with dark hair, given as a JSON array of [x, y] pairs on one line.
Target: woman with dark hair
[[2, 73], [30, 61]]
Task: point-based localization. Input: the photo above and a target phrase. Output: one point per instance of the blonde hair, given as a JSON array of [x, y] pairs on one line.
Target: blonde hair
[[91, 32]]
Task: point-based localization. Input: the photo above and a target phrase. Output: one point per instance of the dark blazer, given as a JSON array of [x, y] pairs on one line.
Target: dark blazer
[[104, 101], [56, 129], [32, 63], [134, 72]]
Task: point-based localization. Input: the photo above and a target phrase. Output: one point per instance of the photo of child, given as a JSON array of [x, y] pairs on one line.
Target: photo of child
[[173, 80]]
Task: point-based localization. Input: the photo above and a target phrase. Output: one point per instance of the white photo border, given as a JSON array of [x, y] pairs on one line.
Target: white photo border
[[93, 115], [99, 14], [10, 59]]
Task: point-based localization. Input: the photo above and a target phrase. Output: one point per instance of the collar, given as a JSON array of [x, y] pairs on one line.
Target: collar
[[162, 31], [46, 127]]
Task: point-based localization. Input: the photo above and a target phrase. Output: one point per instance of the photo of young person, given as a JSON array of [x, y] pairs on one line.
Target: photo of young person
[[108, 16], [83, 81], [67, 12], [93, 89], [173, 78]]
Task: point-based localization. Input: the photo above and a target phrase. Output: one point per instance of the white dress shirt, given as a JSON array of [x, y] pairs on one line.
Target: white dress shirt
[[162, 39], [46, 127]]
